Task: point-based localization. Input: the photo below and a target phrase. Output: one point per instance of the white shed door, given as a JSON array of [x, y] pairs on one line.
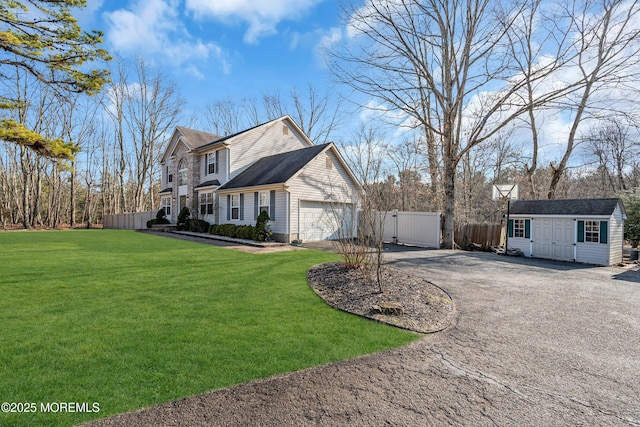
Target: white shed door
[[553, 239], [322, 221]]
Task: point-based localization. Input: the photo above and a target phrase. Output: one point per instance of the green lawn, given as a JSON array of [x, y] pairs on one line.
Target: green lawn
[[128, 320]]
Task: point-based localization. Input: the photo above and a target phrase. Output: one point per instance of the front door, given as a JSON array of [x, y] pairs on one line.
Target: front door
[[183, 203]]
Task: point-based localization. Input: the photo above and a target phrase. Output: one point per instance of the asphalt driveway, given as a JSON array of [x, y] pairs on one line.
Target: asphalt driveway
[[536, 343]]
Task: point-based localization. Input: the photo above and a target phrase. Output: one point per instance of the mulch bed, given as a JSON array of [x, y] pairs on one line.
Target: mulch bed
[[424, 307]]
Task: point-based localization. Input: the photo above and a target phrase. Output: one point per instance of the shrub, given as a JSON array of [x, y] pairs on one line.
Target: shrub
[[183, 216], [232, 230], [161, 217], [245, 232], [151, 222], [262, 231], [197, 225]]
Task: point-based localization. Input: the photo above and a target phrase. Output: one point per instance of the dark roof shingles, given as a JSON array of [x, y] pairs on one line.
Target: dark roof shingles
[[274, 169], [565, 207]]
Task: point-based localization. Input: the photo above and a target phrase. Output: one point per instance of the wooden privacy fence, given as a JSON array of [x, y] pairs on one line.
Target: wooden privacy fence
[[486, 235], [128, 221], [413, 228]]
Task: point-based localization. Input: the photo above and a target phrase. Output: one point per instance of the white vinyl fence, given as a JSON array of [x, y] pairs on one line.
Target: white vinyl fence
[[128, 221], [413, 228]]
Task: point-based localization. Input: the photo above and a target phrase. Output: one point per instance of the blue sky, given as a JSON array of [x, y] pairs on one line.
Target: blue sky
[[217, 49]]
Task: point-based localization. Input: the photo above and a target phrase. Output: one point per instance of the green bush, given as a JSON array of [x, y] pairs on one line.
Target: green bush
[[632, 223], [232, 230], [151, 222], [183, 216], [262, 231], [197, 225], [161, 217]]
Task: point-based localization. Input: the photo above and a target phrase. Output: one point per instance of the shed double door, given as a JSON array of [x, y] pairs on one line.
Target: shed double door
[[553, 238]]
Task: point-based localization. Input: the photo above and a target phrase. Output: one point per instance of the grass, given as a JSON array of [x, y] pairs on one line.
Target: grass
[[129, 320]]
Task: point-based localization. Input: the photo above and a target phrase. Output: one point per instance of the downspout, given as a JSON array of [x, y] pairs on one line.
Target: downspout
[[288, 221]]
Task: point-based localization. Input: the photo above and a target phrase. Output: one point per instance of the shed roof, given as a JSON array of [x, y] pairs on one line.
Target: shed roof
[[275, 169], [596, 207]]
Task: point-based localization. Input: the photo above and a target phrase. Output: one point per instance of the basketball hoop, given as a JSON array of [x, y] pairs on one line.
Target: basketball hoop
[[506, 192]]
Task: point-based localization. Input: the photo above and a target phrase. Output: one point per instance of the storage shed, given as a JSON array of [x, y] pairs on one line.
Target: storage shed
[[589, 231]]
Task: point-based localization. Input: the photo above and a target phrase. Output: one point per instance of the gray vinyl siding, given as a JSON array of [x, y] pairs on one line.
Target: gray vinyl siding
[[279, 225], [221, 173], [317, 183], [264, 141]]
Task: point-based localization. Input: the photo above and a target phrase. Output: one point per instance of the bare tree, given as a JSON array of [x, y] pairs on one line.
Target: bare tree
[[152, 110], [607, 56], [450, 68]]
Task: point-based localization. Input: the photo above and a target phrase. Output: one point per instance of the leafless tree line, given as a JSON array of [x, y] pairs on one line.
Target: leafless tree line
[[119, 137], [461, 74]]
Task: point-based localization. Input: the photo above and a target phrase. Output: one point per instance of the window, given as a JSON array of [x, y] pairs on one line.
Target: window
[[182, 173], [170, 179], [592, 231], [206, 203], [235, 206], [264, 202], [518, 228], [165, 203], [211, 160]]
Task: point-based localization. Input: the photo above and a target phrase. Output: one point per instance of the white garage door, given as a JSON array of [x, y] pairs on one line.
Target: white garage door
[[322, 221]]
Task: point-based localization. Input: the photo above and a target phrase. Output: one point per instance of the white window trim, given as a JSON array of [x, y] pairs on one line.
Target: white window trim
[[262, 206], [235, 206], [210, 159], [591, 233], [183, 174], [208, 201], [165, 202], [519, 228]]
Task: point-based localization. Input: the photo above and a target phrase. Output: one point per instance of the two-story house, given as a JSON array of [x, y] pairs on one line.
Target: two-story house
[[308, 190]]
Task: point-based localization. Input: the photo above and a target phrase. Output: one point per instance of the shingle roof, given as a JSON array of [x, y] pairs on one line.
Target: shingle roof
[[195, 138], [565, 207], [224, 138], [167, 190], [208, 183], [275, 169]]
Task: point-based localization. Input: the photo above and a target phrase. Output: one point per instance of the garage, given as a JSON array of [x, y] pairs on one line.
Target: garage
[[324, 221], [589, 231]]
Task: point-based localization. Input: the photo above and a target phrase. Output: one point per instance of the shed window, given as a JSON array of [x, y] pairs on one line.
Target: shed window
[[593, 231], [519, 228]]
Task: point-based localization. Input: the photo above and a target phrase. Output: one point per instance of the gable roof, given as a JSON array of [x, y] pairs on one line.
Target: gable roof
[[226, 138], [196, 138], [596, 207], [275, 169]]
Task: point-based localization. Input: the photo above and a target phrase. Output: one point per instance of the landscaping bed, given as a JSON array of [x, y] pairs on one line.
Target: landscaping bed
[[407, 302]]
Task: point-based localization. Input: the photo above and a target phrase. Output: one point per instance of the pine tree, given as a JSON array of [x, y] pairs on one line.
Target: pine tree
[[43, 39]]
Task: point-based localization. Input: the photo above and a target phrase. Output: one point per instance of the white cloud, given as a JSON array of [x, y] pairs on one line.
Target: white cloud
[[327, 41], [154, 27], [262, 16]]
